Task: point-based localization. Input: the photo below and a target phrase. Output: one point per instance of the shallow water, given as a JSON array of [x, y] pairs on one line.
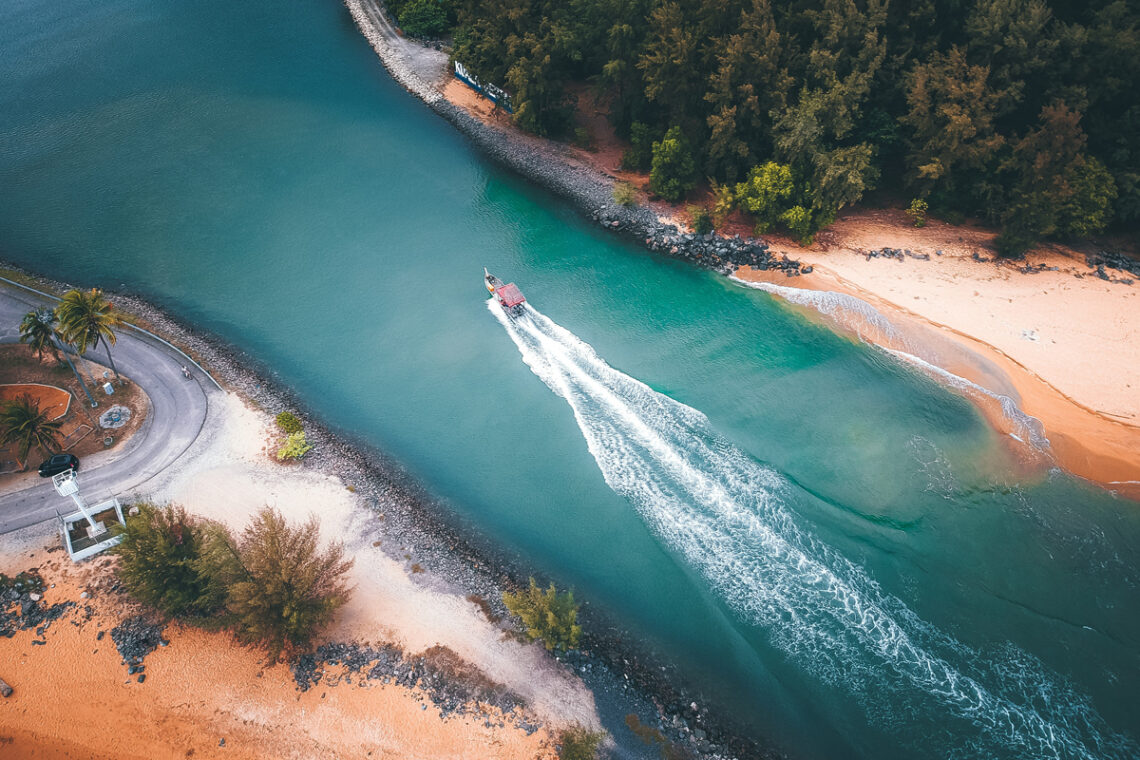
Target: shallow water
[[838, 549]]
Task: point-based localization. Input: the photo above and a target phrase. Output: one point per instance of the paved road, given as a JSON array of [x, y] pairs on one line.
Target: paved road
[[178, 411]]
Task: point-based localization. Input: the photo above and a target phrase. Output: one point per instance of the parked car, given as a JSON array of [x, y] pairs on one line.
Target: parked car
[[58, 463]]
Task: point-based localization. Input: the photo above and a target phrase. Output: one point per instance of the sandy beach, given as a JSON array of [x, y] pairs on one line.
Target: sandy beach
[[204, 696], [203, 687], [1060, 342]]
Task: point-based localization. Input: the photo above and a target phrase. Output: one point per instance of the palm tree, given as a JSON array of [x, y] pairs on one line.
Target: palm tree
[[22, 423], [87, 319], [38, 330]]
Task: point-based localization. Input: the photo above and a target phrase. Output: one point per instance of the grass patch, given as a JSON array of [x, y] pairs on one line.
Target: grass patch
[[579, 743]]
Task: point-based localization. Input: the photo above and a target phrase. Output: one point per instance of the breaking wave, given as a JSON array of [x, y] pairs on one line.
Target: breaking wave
[[728, 516], [874, 328]]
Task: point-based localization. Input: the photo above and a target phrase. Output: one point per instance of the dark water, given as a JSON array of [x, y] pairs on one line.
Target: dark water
[[838, 550]]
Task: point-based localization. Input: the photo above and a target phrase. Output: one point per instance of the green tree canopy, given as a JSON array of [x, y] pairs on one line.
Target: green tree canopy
[[549, 615], [674, 172], [23, 423], [765, 195], [86, 320], [934, 95], [161, 562], [38, 331], [281, 588], [424, 18]]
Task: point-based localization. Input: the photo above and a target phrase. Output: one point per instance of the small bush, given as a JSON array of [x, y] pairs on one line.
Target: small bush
[[578, 743], [583, 139], [640, 154], [917, 212], [161, 564], [625, 194], [673, 169], [424, 18], [549, 615], [702, 221], [295, 446], [724, 201], [799, 221], [288, 423]]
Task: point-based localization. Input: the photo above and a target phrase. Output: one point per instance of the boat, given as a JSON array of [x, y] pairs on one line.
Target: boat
[[509, 296]]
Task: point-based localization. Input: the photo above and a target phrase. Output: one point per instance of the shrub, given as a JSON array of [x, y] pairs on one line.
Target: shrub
[[295, 446], [765, 194], [702, 222], [579, 743], [424, 18], [639, 157], [625, 194], [549, 615], [1088, 208], [280, 589], [917, 212], [583, 139], [724, 201], [161, 564], [673, 171], [287, 422], [799, 220]]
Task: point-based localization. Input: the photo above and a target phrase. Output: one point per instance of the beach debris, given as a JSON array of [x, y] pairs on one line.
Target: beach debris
[[1113, 260], [5, 689], [451, 684], [22, 607], [135, 638]]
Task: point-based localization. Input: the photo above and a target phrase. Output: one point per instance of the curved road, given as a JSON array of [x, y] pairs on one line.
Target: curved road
[[178, 411]]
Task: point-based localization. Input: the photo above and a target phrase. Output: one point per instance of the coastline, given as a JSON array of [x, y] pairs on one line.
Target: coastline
[[1085, 438], [411, 529], [992, 325]]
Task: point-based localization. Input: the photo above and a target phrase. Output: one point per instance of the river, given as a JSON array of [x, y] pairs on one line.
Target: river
[[840, 552]]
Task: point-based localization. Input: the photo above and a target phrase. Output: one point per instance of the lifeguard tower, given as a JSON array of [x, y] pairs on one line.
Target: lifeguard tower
[[90, 530]]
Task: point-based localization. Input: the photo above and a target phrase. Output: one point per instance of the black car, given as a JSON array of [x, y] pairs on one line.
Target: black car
[[58, 463]]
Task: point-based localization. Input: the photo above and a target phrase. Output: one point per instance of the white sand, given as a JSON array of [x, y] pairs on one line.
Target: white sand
[[228, 477]]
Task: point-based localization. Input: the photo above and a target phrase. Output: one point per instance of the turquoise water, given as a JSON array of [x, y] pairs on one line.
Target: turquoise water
[[837, 550]]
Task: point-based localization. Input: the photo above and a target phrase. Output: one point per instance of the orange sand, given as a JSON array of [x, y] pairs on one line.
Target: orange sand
[[48, 398], [73, 698]]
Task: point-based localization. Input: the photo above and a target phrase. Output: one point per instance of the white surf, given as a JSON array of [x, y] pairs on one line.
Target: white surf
[[727, 515]]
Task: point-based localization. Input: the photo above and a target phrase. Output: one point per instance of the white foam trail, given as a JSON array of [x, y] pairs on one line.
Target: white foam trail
[[728, 516], [839, 306]]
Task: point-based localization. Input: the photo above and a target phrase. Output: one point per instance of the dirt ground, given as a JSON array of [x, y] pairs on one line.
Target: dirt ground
[[203, 696], [81, 431]]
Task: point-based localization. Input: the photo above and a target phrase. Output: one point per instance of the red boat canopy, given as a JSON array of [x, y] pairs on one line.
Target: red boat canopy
[[510, 295]]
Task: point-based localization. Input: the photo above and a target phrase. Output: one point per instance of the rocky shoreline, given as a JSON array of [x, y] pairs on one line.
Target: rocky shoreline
[[540, 163], [624, 675]]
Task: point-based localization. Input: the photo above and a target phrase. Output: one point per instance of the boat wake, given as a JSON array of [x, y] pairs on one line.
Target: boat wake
[[728, 516]]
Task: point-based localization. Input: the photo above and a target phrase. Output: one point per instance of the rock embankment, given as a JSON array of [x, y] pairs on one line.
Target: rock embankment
[[418, 69]]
